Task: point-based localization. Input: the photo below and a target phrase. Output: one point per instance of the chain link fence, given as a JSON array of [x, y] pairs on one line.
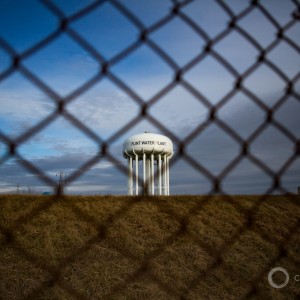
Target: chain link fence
[[179, 79]]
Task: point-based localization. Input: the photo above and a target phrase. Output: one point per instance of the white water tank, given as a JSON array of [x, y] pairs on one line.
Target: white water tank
[[155, 151], [148, 143]]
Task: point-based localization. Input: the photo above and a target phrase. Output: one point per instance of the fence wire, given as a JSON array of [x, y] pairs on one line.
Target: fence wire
[[104, 145]]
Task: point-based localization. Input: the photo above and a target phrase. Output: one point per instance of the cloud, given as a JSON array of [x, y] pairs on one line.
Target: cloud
[[104, 109], [101, 175], [22, 105]]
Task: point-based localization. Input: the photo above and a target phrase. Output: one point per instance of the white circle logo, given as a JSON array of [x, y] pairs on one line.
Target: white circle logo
[[272, 283]]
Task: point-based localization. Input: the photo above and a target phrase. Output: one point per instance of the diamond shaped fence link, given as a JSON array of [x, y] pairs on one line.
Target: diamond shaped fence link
[[105, 72]]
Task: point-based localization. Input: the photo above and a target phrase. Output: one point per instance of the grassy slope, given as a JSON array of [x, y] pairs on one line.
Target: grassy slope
[[151, 248]]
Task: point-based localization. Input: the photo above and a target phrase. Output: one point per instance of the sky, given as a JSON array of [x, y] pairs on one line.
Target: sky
[[63, 66]]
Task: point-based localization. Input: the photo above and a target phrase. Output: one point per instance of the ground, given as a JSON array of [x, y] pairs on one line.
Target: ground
[[121, 247]]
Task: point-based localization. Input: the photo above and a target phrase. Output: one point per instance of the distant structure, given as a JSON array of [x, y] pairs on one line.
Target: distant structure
[[61, 184], [47, 193], [18, 188], [154, 152]]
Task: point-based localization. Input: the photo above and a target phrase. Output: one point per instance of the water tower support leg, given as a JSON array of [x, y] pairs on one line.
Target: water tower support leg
[[148, 182], [159, 174], [136, 174], [168, 177], [165, 175], [152, 174], [130, 175], [144, 173]]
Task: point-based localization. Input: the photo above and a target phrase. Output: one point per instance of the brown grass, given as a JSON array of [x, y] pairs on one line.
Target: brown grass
[[119, 247]]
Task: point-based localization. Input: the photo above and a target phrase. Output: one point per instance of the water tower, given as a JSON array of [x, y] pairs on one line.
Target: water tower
[[154, 152]]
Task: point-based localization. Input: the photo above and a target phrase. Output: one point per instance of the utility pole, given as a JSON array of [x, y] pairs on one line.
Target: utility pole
[[61, 185], [18, 188]]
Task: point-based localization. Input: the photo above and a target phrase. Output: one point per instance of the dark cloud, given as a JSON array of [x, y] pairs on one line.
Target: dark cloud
[[101, 178]]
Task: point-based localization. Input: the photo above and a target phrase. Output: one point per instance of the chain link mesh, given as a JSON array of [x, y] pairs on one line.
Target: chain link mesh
[[105, 72]]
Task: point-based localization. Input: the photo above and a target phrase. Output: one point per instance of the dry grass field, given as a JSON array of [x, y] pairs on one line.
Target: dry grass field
[[119, 247]]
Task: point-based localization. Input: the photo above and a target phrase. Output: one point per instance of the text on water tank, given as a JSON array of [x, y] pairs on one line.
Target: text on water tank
[[148, 143]]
